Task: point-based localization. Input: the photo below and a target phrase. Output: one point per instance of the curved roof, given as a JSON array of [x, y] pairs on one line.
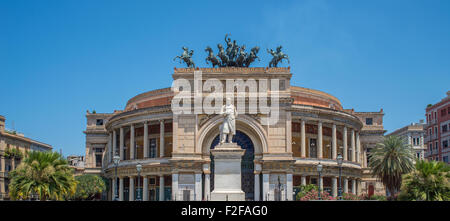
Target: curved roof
[[301, 95]]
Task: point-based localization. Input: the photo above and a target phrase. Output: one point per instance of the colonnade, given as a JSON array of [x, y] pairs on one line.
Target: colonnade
[[355, 143], [112, 143], [133, 187]]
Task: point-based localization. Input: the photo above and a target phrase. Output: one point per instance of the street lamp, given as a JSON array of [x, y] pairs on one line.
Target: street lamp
[[139, 168], [116, 160], [319, 169], [339, 162]]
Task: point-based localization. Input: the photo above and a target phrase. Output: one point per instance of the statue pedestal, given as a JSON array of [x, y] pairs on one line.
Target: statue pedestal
[[227, 173]]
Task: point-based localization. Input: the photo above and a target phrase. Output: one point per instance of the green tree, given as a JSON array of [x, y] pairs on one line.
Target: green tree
[[390, 160], [305, 189], [46, 174], [89, 186], [430, 181]]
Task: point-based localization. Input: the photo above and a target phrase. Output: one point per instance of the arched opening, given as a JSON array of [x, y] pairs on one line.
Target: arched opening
[[247, 164]]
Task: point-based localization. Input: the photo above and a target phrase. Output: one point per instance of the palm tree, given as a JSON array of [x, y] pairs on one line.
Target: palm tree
[[390, 160], [46, 174], [430, 181]]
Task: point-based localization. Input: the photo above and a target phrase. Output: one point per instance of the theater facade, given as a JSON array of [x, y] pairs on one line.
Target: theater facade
[[174, 150]]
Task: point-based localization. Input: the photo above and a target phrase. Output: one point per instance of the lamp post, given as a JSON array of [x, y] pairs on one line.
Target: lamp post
[[339, 162], [116, 160], [319, 169], [139, 168]]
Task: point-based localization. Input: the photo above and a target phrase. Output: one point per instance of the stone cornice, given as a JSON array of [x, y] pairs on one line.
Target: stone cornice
[[144, 113], [240, 70], [325, 114]]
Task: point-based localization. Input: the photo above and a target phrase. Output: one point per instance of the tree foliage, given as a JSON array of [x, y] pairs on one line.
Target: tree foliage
[[390, 160], [89, 186], [45, 174], [430, 181]]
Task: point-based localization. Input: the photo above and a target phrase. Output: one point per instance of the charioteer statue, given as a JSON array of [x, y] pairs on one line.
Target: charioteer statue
[[233, 55]]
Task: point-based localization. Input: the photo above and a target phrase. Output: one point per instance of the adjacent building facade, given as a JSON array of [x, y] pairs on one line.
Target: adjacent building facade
[[13, 147], [372, 133], [438, 130], [174, 150], [413, 135]]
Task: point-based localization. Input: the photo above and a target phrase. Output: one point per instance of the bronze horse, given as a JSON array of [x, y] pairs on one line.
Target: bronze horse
[[211, 57], [186, 57]]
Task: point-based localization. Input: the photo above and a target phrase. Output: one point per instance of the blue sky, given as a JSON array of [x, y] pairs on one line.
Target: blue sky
[[61, 58]]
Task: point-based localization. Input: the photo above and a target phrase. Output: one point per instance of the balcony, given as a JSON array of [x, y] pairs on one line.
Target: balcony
[[429, 138], [431, 122]]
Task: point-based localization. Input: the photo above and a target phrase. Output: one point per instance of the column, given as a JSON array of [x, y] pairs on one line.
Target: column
[[114, 143], [110, 150], [303, 139], [145, 189], [358, 187], [198, 187], [161, 138], [303, 180], [114, 189], [145, 139], [334, 183], [121, 144], [121, 189], [320, 143], [358, 149], [344, 144], [131, 189], [353, 146], [345, 184], [132, 146], [288, 132], [266, 186], [334, 143], [207, 186], [257, 185], [354, 186], [365, 158], [289, 187], [161, 188], [175, 196]]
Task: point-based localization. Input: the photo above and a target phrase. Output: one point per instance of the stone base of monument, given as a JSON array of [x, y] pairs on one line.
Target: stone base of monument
[[227, 173]]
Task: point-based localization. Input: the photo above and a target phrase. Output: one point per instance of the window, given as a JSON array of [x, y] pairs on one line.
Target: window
[[448, 110], [443, 112], [152, 148], [429, 132], [99, 150], [436, 145], [445, 159], [369, 121], [444, 128], [445, 144], [431, 146], [418, 155], [435, 131], [98, 160], [99, 122]]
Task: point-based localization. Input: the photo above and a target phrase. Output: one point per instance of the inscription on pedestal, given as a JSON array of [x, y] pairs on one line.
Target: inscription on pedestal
[[227, 174]]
